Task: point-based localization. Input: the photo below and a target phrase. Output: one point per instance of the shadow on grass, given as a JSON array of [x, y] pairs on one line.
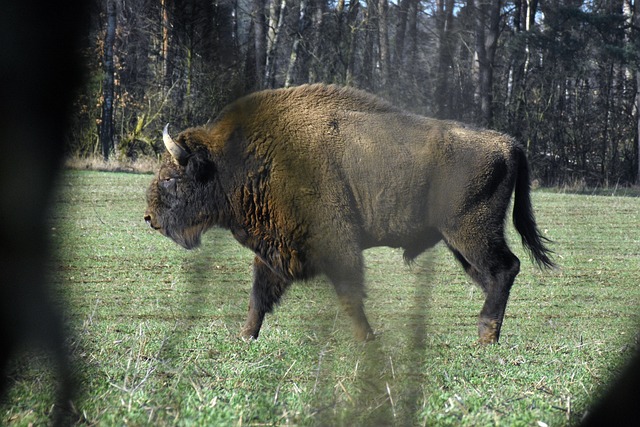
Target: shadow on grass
[[389, 381]]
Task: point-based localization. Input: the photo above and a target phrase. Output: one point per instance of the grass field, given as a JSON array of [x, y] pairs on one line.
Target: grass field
[[155, 327]]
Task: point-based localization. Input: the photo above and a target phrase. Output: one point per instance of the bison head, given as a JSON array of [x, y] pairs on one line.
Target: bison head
[[180, 200]]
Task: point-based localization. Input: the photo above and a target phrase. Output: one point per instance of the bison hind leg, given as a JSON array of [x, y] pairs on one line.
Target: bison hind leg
[[502, 275], [494, 270], [474, 273]]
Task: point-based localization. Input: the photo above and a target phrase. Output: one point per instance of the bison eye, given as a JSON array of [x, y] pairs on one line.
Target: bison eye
[[168, 182]]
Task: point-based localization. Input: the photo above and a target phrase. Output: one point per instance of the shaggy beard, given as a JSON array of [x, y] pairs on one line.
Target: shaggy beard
[[190, 237]]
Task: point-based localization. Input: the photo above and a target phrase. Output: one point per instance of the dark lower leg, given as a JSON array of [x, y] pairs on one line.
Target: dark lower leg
[[251, 328], [345, 270], [492, 314], [351, 295], [490, 321], [267, 290], [354, 307], [495, 275]]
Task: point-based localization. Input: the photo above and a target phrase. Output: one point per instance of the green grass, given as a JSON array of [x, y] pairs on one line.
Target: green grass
[[154, 327]]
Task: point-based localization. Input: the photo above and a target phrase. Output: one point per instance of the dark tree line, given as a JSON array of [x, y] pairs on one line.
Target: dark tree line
[[561, 76]]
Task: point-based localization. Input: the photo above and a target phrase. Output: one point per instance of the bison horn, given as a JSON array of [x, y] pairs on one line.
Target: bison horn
[[178, 153]]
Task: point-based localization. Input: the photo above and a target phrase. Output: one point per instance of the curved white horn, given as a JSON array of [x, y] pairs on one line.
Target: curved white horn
[[178, 153]]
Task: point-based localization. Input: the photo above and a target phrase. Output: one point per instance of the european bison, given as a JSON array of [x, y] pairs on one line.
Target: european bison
[[309, 177]]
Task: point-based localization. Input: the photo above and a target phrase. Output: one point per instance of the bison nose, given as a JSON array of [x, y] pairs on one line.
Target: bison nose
[[149, 219]]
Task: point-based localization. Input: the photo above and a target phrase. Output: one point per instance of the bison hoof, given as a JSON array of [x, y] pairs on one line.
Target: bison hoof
[[248, 335], [487, 339], [364, 336], [488, 331]]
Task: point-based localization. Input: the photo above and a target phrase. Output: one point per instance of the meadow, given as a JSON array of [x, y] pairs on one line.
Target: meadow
[[154, 328]]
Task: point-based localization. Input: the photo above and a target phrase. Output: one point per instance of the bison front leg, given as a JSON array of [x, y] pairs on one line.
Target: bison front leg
[[349, 285], [268, 288], [354, 307]]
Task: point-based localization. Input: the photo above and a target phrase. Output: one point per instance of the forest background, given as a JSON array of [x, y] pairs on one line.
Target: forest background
[[561, 76]]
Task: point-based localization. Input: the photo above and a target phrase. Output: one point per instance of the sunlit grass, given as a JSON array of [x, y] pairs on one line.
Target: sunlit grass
[[155, 327]]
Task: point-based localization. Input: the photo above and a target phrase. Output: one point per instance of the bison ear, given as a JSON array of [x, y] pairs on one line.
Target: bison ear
[[200, 167], [179, 154]]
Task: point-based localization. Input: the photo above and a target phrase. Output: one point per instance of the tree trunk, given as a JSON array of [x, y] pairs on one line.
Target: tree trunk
[[190, 11], [315, 68], [638, 127], [368, 58], [166, 34], [234, 24], [108, 86], [276, 19], [487, 33], [636, 20], [412, 45], [532, 6], [401, 29], [444, 23], [259, 41], [295, 48], [521, 64], [352, 39], [383, 43]]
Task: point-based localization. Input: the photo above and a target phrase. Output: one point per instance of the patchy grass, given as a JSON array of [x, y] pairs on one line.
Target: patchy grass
[[155, 327]]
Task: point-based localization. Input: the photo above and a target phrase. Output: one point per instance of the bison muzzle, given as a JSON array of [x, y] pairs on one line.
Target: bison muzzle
[[309, 177]]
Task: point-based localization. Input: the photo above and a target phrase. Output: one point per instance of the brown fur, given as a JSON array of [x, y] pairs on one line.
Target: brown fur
[[309, 177]]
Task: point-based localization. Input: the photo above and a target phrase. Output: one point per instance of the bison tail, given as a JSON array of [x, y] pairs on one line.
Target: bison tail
[[523, 218]]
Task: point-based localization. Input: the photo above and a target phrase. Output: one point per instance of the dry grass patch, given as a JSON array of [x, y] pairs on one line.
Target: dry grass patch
[[146, 164]]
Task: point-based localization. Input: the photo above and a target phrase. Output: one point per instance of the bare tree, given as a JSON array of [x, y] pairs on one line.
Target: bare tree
[[520, 66], [108, 87], [166, 52], [295, 47], [401, 29], [636, 21], [351, 40], [412, 32], [277, 10], [444, 27], [488, 18], [319, 8], [383, 43], [258, 20], [368, 54]]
